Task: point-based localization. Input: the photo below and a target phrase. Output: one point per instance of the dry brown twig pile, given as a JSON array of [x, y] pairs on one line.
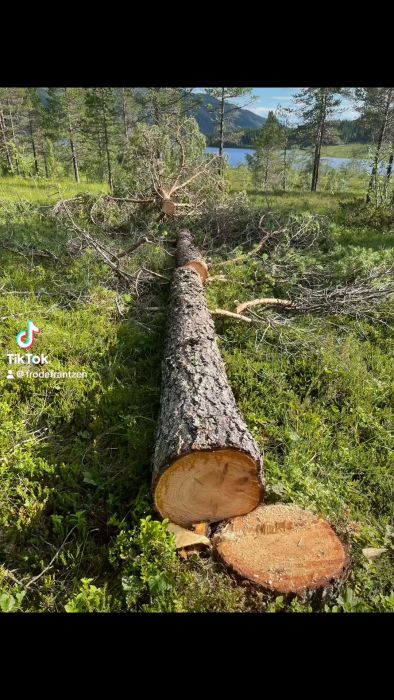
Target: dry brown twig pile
[[114, 260]]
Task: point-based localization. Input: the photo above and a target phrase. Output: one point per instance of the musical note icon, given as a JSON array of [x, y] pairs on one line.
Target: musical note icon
[[25, 339]]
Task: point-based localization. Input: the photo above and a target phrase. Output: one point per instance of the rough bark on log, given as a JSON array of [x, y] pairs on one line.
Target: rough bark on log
[[283, 548], [187, 255], [206, 466]]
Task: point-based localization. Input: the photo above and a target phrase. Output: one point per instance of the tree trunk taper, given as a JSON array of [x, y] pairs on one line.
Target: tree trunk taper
[[206, 465]]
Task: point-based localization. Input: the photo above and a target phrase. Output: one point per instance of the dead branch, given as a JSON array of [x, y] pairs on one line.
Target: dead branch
[[216, 278], [198, 172], [106, 255], [360, 299], [155, 274], [134, 200], [120, 312], [134, 247], [26, 252], [139, 273], [255, 251], [230, 314], [265, 301], [35, 578], [356, 300]]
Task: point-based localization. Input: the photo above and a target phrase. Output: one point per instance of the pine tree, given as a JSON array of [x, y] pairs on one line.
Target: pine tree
[[225, 110], [5, 151], [284, 113], [13, 107], [35, 128], [159, 104], [267, 143], [65, 114], [377, 113], [102, 129], [316, 107]]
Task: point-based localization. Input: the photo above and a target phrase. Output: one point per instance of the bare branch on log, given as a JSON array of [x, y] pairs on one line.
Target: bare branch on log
[[265, 301], [230, 314]]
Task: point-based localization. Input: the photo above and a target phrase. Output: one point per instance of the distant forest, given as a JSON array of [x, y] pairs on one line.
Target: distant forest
[[339, 131]]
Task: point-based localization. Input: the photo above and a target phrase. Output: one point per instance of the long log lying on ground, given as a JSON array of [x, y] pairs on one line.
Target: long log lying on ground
[[187, 255], [206, 465]]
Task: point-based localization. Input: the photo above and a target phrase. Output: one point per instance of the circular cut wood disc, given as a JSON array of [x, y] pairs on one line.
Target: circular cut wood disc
[[208, 486], [282, 548], [168, 207]]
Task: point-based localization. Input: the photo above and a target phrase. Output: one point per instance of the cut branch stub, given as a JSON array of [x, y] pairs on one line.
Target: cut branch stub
[[168, 207], [206, 466], [187, 255], [282, 548]]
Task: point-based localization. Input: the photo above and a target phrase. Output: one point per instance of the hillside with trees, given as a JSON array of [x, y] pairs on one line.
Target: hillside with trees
[[209, 423]]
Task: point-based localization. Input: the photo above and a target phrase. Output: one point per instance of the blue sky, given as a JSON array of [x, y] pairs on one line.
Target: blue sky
[[269, 98]]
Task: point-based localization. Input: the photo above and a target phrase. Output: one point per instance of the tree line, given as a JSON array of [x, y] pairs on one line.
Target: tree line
[[62, 131], [341, 131], [316, 109]]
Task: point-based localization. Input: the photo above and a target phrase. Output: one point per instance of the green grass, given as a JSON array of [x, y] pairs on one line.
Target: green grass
[[43, 191], [347, 150], [75, 454], [333, 189]]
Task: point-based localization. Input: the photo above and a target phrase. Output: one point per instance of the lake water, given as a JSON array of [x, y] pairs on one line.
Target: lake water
[[237, 156]]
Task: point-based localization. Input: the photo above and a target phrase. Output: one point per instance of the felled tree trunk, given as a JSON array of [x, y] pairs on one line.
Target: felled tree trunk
[[187, 255], [206, 465]]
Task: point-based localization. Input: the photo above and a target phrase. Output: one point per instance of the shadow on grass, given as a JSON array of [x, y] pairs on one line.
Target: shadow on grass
[[102, 459]]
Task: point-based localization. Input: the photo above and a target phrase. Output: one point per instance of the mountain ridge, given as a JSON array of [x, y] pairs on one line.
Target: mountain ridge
[[206, 115]]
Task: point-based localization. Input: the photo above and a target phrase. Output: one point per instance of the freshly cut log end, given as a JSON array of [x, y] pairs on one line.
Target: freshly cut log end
[[168, 207], [187, 255], [282, 548], [200, 267], [208, 486]]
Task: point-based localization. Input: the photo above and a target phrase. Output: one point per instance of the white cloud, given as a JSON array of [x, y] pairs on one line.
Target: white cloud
[[281, 97], [348, 114], [261, 110]]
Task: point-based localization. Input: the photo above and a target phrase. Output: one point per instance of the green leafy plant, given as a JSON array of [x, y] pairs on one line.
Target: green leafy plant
[[89, 599]]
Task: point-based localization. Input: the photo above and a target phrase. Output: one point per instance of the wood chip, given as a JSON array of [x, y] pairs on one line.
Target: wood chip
[[373, 552], [186, 538]]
